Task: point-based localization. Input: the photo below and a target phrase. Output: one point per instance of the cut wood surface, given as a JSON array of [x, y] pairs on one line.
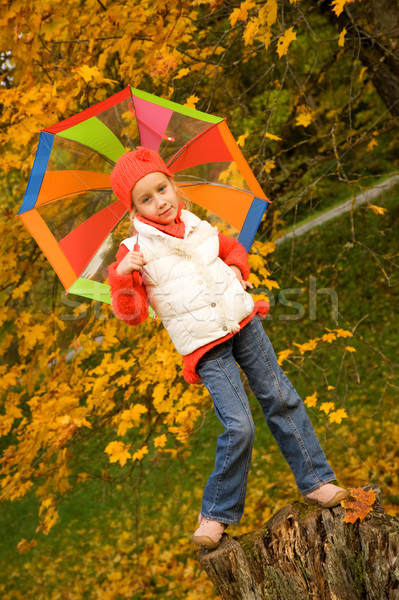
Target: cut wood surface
[[305, 552]]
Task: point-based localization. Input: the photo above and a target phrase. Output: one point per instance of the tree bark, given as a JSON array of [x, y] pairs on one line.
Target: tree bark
[[305, 552], [373, 29]]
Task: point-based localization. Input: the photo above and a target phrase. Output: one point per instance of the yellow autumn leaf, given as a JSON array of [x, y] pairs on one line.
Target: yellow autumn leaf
[[341, 39], [372, 144], [311, 401], [362, 72], [91, 73], [251, 29], [268, 14], [20, 291], [241, 139], [307, 346], [350, 349], [342, 332], [378, 210], [241, 13], [124, 380], [338, 5], [337, 416], [24, 546], [139, 454], [269, 165], [328, 337], [271, 136], [118, 452], [305, 116], [191, 101], [327, 407], [285, 40], [136, 411], [160, 441], [283, 355], [182, 73]]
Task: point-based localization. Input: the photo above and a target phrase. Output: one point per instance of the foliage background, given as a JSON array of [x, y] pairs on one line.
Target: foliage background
[[104, 448]]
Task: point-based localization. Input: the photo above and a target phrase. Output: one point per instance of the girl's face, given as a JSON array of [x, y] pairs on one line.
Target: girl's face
[[155, 198]]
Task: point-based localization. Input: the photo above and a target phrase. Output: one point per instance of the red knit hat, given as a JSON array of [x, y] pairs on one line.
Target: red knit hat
[[133, 166]]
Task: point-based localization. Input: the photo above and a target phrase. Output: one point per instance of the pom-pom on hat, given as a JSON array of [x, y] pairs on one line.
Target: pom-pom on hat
[[133, 166]]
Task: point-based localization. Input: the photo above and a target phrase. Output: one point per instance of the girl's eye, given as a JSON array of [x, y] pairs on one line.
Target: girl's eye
[[162, 188], [145, 200]]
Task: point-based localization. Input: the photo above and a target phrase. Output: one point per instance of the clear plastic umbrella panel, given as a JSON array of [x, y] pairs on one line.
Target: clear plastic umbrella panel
[[71, 211]]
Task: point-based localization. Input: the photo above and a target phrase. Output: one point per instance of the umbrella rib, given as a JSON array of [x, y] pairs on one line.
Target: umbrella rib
[[223, 185]]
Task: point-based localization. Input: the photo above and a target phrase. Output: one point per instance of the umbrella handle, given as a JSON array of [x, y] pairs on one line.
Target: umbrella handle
[[137, 278]]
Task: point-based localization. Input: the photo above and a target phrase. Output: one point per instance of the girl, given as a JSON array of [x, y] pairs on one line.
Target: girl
[[195, 279]]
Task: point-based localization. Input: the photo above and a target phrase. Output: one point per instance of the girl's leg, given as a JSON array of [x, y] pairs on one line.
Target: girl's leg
[[224, 494], [283, 408]]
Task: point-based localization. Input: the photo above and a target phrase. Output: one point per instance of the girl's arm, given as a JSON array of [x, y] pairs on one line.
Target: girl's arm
[[129, 298], [233, 254]]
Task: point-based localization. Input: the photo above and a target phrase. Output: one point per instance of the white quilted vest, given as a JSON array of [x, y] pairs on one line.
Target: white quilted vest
[[195, 294]]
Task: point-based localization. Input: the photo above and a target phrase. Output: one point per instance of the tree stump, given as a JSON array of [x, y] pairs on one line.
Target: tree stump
[[305, 552]]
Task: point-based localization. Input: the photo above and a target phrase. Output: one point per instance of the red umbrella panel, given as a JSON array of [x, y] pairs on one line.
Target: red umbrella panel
[[69, 207]]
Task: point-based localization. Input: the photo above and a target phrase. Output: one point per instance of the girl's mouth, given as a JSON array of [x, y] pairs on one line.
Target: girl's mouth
[[167, 212]]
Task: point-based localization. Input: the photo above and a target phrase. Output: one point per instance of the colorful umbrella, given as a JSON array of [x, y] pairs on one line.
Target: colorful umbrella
[[69, 207]]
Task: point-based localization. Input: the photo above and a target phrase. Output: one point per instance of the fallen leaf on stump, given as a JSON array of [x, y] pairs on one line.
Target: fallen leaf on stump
[[358, 504]]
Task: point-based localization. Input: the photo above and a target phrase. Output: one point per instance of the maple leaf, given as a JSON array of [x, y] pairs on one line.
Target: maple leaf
[[358, 504], [311, 400], [338, 6], [241, 139], [269, 165], [24, 546], [21, 290], [160, 441], [337, 415], [285, 40], [268, 13], [328, 337], [272, 137], [305, 116], [241, 13], [118, 452], [378, 210], [307, 346], [139, 454], [341, 39], [327, 407], [191, 101], [342, 332], [251, 30], [182, 73], [283, 355], [372, 143]]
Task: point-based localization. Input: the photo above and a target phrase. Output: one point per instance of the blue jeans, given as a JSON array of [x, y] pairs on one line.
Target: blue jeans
[[224, 494]]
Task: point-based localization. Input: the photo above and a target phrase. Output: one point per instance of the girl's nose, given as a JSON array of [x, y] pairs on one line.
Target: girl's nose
[[161, 201]]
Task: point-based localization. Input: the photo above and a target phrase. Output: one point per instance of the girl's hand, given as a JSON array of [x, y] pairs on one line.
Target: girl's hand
[[133, 261], [245, 284]]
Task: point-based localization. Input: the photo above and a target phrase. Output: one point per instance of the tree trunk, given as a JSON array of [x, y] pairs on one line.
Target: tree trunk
[[305, 552], [373, 28]]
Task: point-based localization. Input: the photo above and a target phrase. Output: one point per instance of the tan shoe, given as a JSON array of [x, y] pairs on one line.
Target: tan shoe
[[327, 496], [209, 533]]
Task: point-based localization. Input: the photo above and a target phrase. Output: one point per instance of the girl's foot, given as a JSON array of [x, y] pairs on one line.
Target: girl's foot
[[327, 495], [209, 533]]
